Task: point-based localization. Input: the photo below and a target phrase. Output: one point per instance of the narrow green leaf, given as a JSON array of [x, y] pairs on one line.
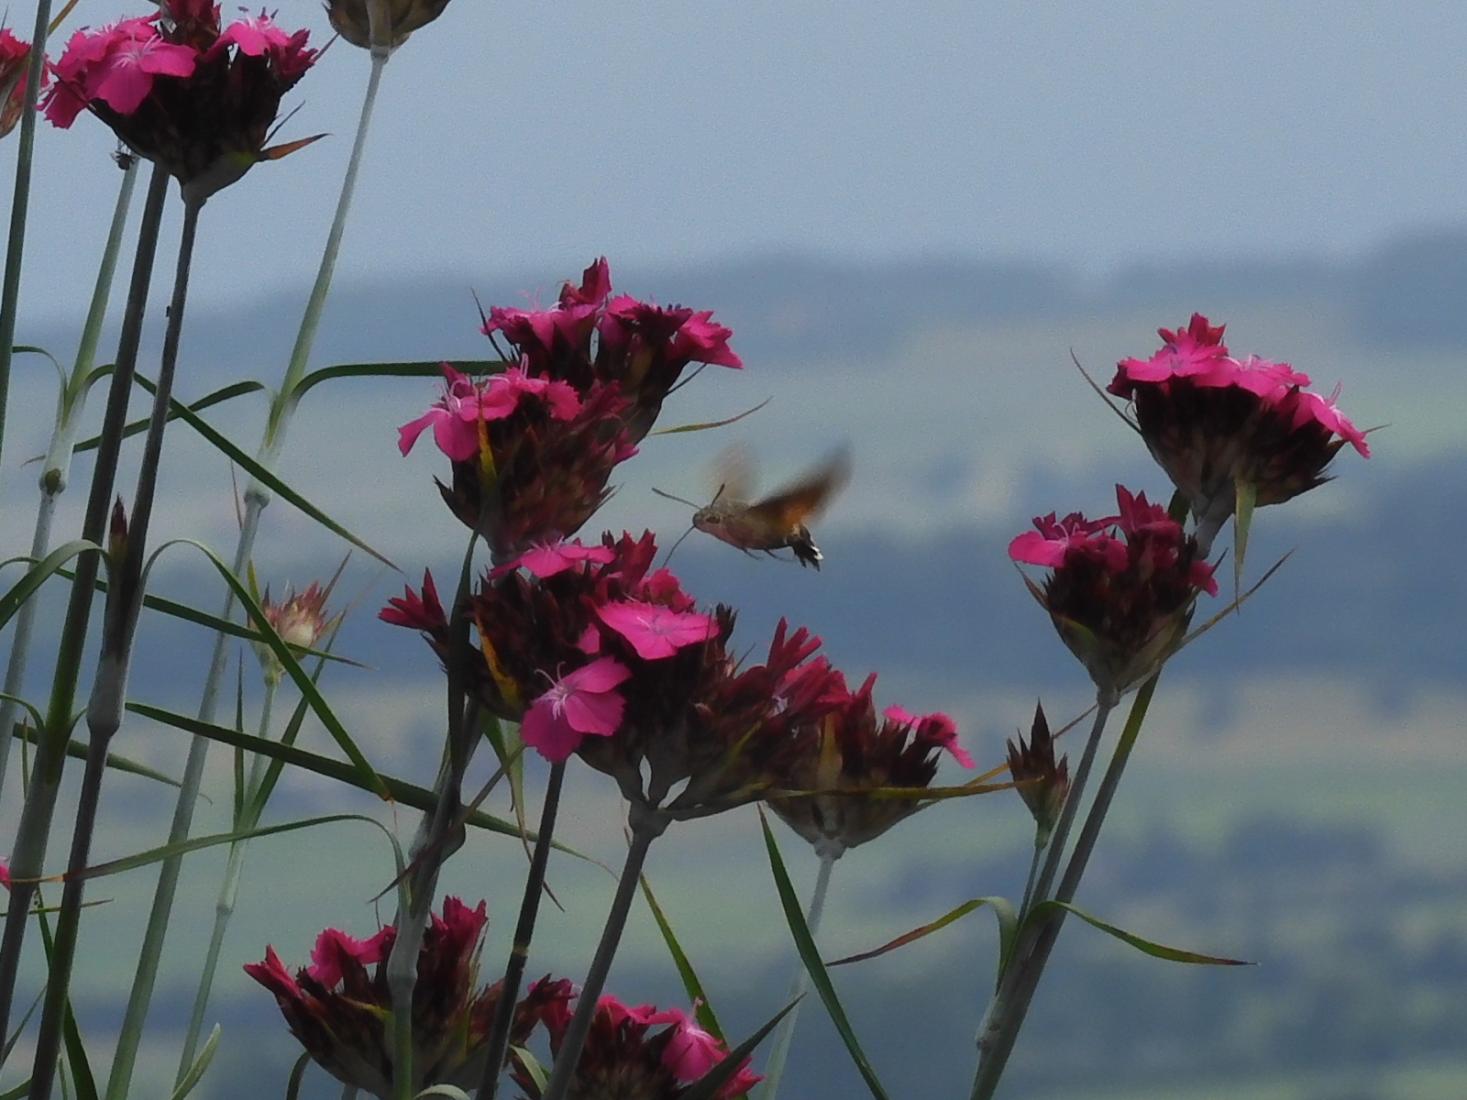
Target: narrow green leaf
[[427, 368], [707, 424], [76, 1051], [711, 1083], [1008, 926], [288, 738], [263, 475], [198, 843], [297, 1073], [19, 1092], [810, 955], [37, 574], [303, 683], [196, 1071], [239, 764], [531, 1067], [218, 397], [9, 1045], [697, 996], [78, 750], [400, 791], [1146, 947], [1246, 499], [452, 1092]]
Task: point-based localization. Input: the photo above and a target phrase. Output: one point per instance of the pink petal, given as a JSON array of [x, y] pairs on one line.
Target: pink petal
[[656, 632], [594, 713], [407, 435], [1032, 548], [547, 733], [599, 676], [563, 400], [458, 440], [692, 1052]]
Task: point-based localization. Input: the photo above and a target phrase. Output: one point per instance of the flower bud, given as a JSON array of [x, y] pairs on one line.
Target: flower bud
[[352, 19], [1043, 784]]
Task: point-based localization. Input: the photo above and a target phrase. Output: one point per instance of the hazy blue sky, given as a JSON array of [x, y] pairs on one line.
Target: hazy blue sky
[[530, 136]]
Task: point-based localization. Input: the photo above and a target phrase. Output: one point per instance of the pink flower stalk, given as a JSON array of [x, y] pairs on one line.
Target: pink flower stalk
[[1121, 591], [1216, 423], [581, 704], [854, 755], [625, 1057], [178, 89], [339, 1007]]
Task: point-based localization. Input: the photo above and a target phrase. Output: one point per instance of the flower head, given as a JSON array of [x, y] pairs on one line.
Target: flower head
[[1121, 590], [643, 1053], [1214, 422], [580, 704], [15, 61], [178, 89], [339, 1007], [856, 753], [1043, 784], [349, 18], [300, 619]]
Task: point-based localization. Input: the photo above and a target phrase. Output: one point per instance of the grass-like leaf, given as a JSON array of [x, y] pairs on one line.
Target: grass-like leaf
[[697, 996], [297, 1075], [450, 1092], [1008, 928], [1146, 947], [37, 574], [78, 750], [709, 1085], [422, 369], [209, 400], [1245, 499], [707, 424], [76, 1051], [262, 474], [196, 1071], [810, 956]]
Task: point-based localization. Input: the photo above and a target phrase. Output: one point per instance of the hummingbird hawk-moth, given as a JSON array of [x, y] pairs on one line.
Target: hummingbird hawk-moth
[[775, 522]]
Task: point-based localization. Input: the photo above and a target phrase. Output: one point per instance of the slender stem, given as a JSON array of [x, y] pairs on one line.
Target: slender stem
[[35, 822], [524, 931], [109, 690], [20, 205], [774, 1071], [1031, 881], [647, 825], [228, 892], [257, 496], [55, 472]]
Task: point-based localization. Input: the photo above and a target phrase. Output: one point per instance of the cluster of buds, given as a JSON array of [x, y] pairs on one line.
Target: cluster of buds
[[353, 19], [533, 448], [855, 758], [1041, 782], [1215, 423], [300, 619], [596, 655], [15, 62], [179, 89], [642, 1053], [1122, 588], [339, 1007]]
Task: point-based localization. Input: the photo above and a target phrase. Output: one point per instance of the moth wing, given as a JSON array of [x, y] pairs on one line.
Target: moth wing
[[732, 475], [799, 501]]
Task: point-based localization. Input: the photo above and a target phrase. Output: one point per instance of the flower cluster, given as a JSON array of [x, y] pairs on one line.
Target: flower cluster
[[856, 753], [625, 1057], [1042, 783], [1121, 588], [600, 656], [339, 1006], [15, 60], [180, 90], [1214, 422], [349, 18]]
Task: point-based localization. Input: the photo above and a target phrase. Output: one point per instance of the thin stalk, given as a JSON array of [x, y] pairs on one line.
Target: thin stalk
[[524, 931], [647, 825], [20, 205], [256, 498], [228, 892], [55, 473], [109, 689], [35, 821], [774, 1071], [1031, 881]]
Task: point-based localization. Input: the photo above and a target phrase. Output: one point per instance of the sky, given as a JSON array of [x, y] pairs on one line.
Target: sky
[[516, 136]]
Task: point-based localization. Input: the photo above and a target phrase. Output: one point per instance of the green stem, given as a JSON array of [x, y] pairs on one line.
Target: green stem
[[998, 1039], [35, 821], [1031, 881], [228, 892], [257, 497], [20, 205], [56, 470], [647, 825], [775, 1069], [524, 931], [109, 690]]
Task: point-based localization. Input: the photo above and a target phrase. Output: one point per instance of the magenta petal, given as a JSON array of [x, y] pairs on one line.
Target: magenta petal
[[407, 435], [594, 713], [656, 632], [599, 676], [458, 440], [548, 734], [1032, 548]]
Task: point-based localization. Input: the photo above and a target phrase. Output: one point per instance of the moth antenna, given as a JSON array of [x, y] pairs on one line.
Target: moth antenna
[[680, 500], [718, 494], [675, 545]]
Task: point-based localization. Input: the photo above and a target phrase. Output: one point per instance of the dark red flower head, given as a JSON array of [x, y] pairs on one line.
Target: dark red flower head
[[640, 1053], [15, 61], [859, 751], [350, 20], [339, 1007], [1214, 422], [1121, 588], [179, 90]]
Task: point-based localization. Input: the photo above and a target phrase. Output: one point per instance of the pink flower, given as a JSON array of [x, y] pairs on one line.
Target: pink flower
[[335, 950], [453, 418], [254, 35], [1322, 411], [580, 704], [1053, 540], [418, 611], [655, 631], [1185, 353], [548, 559], [501, 395], [4, 874], [131, 65], [936, 728]]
